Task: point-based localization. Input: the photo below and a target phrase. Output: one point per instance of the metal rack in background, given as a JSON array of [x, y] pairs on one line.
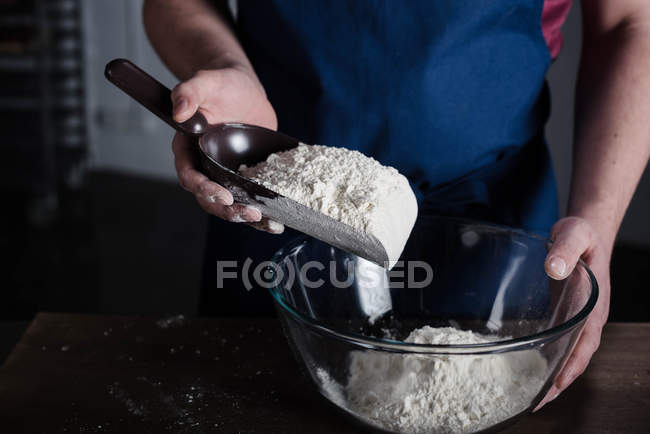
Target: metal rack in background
[[42, 101]]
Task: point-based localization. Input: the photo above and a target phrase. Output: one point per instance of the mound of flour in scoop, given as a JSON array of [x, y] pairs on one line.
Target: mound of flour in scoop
[[345, 185], [443, 394]]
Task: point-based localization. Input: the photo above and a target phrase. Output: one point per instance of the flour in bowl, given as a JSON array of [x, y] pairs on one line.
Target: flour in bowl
[[345, 185], [411, 393]]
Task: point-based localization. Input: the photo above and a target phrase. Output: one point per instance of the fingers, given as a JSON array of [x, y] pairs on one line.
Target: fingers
[[578, 361], [188, 96], [236, 213], [191, 179], [268, 225], [575, 238], [572, 237], [213, 198], [552, 393], [585, 348]]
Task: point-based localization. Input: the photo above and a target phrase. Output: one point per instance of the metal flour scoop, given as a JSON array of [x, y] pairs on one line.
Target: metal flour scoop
[[222, 148]]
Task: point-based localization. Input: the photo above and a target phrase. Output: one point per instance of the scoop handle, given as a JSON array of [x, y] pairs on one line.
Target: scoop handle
[[152, 94]]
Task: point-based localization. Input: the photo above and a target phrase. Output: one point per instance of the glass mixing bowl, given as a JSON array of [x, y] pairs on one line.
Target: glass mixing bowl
[[346, 320]]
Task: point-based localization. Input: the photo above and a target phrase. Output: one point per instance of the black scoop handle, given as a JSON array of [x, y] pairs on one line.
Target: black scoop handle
[[152, 94]]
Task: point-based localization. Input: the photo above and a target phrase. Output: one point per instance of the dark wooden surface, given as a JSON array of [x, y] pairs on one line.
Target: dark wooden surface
[[83, 373]]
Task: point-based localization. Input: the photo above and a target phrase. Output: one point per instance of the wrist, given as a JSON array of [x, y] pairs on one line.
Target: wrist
[[229, 61], [224, 60]]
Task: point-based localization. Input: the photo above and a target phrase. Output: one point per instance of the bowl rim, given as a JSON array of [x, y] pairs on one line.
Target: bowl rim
[[404, 347]]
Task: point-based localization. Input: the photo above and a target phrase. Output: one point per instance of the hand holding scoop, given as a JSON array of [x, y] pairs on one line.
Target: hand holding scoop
[[222, 148]]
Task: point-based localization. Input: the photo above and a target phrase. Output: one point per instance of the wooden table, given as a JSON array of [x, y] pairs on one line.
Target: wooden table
[[83, 373]]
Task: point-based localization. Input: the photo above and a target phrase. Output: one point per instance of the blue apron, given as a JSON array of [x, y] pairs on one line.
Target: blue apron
[[450, 92]]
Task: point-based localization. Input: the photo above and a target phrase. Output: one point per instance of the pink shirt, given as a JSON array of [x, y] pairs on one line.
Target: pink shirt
[[553, 16]]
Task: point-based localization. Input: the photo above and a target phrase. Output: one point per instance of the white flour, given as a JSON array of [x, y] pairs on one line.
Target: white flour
[[345, 185], [441, 394]]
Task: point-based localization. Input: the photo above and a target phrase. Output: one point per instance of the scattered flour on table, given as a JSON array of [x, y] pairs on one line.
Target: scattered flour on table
[[345, 185], [443, 394], [171, 321]]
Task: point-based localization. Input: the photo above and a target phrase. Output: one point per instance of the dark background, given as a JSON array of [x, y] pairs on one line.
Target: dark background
[[93, 219]]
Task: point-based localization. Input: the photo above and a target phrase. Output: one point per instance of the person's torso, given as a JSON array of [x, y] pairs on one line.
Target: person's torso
[[438, 89]]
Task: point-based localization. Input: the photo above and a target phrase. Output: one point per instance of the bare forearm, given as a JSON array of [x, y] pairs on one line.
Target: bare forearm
[[612, 142], [190, 35]]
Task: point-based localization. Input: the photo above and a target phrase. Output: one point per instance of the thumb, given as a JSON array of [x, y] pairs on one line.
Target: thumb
[[187, 97], [572, 238]]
